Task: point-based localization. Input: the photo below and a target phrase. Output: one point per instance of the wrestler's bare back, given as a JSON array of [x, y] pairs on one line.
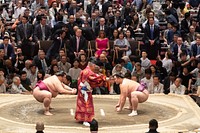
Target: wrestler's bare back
[[128, 86]]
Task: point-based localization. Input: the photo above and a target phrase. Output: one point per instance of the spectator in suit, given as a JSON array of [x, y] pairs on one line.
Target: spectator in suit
[[25, 81], [59, 24], [155, 86], [102, 26], [191, 36], [185, 23], [91, 7], [24, 34], [151, 39], [105, 7], [195, 48], [73, 9], [151, 14], [88, 32], [42, 31], [179, 48], [71, 25], [8, 48], [41, 62], [77, 43], [58, 43], [117, 19], [168, 81], [194, 22], [93, 21]]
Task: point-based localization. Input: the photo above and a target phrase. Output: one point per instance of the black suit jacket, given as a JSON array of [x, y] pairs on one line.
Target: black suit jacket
[[184, 27], [58, 25], [96, 23], [106, 30], [71, 11], [105, 7], [88, 33], [38, 62], [70, 28], [20, 34], [38, 32], [10, 51], [89, 9], [82, 44], [53, 51], [147, 34]]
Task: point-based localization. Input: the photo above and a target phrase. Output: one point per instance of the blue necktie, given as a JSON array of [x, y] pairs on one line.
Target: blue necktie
[[151, 32]]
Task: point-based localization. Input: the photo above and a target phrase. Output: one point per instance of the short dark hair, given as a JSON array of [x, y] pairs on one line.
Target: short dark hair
[[25, 17], [69, 78], [5, 37], [119, 75], [153, 124], [23, 72], [148, 71], [94, 125], [156, 76]]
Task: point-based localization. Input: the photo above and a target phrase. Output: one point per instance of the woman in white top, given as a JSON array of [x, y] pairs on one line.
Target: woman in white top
[[167, 61]]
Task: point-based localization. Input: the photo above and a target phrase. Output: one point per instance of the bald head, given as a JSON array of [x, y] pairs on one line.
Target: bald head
[[101, 21]]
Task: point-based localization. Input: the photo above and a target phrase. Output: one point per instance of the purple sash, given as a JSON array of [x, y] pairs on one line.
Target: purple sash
[[142, 87]]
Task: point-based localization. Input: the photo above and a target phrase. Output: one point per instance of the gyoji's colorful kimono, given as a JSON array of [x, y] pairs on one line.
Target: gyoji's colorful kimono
[[85, 109]]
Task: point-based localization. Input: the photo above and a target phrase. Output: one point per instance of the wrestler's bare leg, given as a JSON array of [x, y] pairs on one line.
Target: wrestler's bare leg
[[130, 104], [44, 97], [138, 97]]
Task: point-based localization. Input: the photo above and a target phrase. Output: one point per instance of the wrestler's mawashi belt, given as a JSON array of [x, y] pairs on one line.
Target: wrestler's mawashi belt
[[41, 85], [142, 87]]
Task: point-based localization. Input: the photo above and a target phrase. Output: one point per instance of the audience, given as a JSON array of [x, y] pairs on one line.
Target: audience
[[153, 125]]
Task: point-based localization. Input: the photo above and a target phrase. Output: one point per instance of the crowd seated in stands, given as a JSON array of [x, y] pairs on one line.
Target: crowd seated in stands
[[156, 41]]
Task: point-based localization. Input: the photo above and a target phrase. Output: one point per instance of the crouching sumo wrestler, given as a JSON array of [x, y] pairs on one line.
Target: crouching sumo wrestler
[[136, 92], [50, 87]]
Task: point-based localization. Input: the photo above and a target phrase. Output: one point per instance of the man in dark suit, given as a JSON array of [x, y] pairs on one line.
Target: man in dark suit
[[179, 48], [24, 34], [102, 26], [41, 62], [169, 80], [105, 7], [151, 39], [185, 23], [87, 32], [93, 21], [91, 7], [77, 43], [118, 20], [42, 31], [8, 48], [58, 43], [73, 9], [195, 48], [71, 25], [59, 22]]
